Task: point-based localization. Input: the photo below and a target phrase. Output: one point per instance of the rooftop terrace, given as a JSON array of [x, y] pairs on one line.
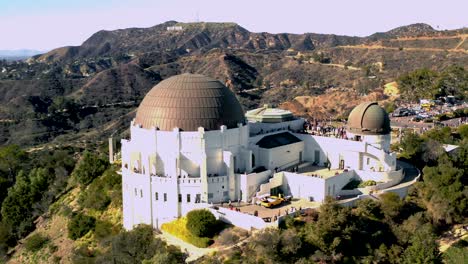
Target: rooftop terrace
[[318, 171]]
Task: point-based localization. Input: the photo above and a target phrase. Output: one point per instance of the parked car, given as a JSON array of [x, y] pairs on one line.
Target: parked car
[[270, 201]]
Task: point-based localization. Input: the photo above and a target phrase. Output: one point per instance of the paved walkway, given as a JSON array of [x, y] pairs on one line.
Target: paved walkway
[[193, 251], [410, 172]]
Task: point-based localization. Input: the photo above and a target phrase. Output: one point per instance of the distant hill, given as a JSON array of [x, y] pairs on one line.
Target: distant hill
[[106, 77], [193, 37], [19, 54]]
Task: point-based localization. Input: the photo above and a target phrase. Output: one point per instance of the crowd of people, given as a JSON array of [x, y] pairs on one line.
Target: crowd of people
[[321, 128]]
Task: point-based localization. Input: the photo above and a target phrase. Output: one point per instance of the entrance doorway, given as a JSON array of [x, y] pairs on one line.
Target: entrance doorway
[[317, 157]]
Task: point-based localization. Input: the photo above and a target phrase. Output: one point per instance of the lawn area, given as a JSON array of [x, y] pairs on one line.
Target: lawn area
[[178, 228]]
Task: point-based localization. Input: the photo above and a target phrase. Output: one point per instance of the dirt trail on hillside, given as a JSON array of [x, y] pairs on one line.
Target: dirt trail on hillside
[[461, 42], [429, 37], [406, 49]]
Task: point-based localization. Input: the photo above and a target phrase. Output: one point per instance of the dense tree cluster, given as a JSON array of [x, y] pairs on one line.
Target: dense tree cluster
[[139, 246], [89, 167], [373, 232], [34, 181], [428, 84], [79, 225]]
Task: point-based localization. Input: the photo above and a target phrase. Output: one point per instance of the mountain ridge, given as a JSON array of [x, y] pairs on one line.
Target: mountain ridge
[[108, 75]]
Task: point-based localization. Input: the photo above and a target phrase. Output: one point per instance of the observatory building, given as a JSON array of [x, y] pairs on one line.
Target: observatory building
[[192, 145]]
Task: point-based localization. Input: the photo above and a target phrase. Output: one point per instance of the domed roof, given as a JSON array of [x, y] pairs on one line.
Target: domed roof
[[369, 119], [189, 101]]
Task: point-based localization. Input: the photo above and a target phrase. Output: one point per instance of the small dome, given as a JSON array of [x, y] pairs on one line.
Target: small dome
[[369, 119], [189, 101]]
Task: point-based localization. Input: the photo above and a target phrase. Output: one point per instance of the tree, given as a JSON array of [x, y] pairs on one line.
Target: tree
[[89, 167], [463, 131], [423, 248], [418, 84], [140, 246], [411, 147], [95, 196], [444, 193], [201, 223], [290, 242], [368, 208], [12, 160], [79, 225], [17, 208], [265, 245], [453, 81], [391, 205], [333, 231]]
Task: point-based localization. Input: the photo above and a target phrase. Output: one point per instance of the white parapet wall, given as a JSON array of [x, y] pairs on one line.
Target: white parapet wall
[[239, 219], [258, 128]]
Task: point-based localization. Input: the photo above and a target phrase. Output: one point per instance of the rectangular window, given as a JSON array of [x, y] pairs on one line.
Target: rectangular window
[[368, 161], [210, 195], [136, 192], [225, 194], [197, 198], [165, 197], [180, 198], [156, 196], [188, 198], [141, 193]]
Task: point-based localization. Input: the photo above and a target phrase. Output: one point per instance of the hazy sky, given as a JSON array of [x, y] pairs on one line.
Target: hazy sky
[[47, 24]]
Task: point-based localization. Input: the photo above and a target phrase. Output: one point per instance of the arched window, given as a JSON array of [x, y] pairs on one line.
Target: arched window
[[253, 160]]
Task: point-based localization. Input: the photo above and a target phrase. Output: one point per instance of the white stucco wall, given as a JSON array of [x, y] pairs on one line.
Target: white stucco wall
[[302, 186], [281, 157], [177, 165], [239, 219], [249, 183], [265, 128], [334, 184]]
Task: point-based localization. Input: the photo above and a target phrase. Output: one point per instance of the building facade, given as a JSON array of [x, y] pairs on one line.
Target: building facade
[[191, 145]]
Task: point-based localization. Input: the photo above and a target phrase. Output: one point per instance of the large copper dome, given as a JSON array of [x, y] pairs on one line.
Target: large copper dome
[[189, 101], [369, 119]]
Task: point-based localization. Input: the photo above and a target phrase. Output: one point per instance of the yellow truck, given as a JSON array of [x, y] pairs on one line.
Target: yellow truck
[[271, 201]]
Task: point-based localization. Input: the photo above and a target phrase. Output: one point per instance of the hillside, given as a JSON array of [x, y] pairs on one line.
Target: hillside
[[103, 80], [66, 207]]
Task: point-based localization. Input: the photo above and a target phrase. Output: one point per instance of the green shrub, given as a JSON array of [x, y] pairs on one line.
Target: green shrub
[[367, 183], [178, 228], [79, 225], [52, 247], [35, 242], [103, 229], [94, 197], [228, 237], [89, 167], [201, 223], [111, 179]]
